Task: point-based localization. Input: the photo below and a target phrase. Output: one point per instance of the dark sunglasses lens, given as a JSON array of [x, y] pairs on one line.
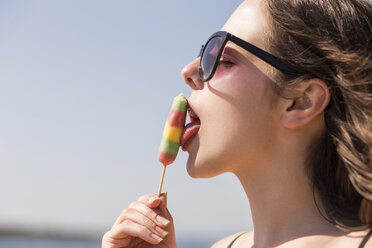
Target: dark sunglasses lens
[[209, 57]]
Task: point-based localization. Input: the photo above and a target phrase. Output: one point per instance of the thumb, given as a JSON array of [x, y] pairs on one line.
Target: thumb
[[170, 240], [163, 205]]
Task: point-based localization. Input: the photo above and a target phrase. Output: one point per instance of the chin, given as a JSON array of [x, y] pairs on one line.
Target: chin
[[192, 171], [196, 172], [191, 168], [204, 163], [201, 169]]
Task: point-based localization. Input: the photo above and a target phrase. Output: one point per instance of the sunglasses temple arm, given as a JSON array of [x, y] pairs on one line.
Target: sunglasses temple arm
[[272, 60]]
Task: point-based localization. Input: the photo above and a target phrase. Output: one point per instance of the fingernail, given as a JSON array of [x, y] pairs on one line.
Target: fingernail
[[161, 231], [161, 220], [156, 237]]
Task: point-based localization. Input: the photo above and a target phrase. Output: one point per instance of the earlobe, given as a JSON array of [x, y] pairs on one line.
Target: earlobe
[[313, 98]]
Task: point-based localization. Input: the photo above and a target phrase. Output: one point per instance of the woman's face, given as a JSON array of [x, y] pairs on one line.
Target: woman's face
[[238, 120]]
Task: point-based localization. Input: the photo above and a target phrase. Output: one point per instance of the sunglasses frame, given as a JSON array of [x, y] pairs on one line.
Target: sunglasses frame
[[258, 52]]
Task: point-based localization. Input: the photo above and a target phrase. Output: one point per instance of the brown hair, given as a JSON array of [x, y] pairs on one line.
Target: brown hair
[[332, 40]]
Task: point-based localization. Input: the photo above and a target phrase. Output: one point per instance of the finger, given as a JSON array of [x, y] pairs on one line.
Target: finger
[[108, 241], [150, 200], [139, 218], [143, 209], [130, 228], [150, 213]]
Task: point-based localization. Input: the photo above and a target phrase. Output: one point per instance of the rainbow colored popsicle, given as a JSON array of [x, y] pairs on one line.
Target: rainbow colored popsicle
[[173, 129]]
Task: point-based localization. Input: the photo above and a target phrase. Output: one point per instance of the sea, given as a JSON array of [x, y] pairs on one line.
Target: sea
[[32, 242]]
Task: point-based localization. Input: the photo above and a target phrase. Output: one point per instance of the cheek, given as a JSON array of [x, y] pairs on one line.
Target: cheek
[[239, 135], [237, 122], [236, 125], [242, 92]]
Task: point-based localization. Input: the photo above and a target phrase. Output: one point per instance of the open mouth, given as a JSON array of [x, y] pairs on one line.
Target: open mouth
[[190, 130]]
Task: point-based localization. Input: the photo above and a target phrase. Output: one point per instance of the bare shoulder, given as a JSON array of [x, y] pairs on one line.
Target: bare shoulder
[[354, 239], [223, 243], [368, 243]]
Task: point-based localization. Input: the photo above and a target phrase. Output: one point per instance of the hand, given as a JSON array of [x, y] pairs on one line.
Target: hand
[[145, 223]]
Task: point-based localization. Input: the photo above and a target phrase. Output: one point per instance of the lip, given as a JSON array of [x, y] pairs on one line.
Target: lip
[[191, 129]]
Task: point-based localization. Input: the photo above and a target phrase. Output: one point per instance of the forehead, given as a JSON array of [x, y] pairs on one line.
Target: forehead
[[249, 22]]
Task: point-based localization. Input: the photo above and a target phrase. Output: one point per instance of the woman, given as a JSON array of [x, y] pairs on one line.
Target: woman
[[296, 124]]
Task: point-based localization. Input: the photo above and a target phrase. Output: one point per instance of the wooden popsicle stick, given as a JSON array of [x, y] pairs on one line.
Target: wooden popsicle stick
[[161, 180]]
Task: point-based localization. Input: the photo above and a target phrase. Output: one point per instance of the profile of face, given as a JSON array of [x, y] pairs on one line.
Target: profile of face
[[238, 119]]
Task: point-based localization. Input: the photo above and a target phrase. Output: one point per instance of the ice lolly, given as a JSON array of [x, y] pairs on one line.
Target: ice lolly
[[173, 129]]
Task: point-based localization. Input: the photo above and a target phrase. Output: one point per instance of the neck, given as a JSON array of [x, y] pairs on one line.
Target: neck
[[281, 200]]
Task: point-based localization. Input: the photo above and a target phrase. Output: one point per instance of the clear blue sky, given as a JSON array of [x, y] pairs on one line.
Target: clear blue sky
[[85, 88]]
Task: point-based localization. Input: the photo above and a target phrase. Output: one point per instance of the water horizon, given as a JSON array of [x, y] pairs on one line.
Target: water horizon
[[22, 237]]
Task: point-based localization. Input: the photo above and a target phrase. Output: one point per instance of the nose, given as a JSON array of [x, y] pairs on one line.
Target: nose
[[190, 74]]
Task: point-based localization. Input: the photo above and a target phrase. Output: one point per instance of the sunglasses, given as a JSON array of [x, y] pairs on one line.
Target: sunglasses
[[210, 54]]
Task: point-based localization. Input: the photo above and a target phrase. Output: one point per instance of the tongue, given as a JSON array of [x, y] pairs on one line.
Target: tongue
[[190, 130]]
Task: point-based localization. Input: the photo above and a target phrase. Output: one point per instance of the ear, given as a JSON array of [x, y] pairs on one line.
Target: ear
[[313, 98]]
